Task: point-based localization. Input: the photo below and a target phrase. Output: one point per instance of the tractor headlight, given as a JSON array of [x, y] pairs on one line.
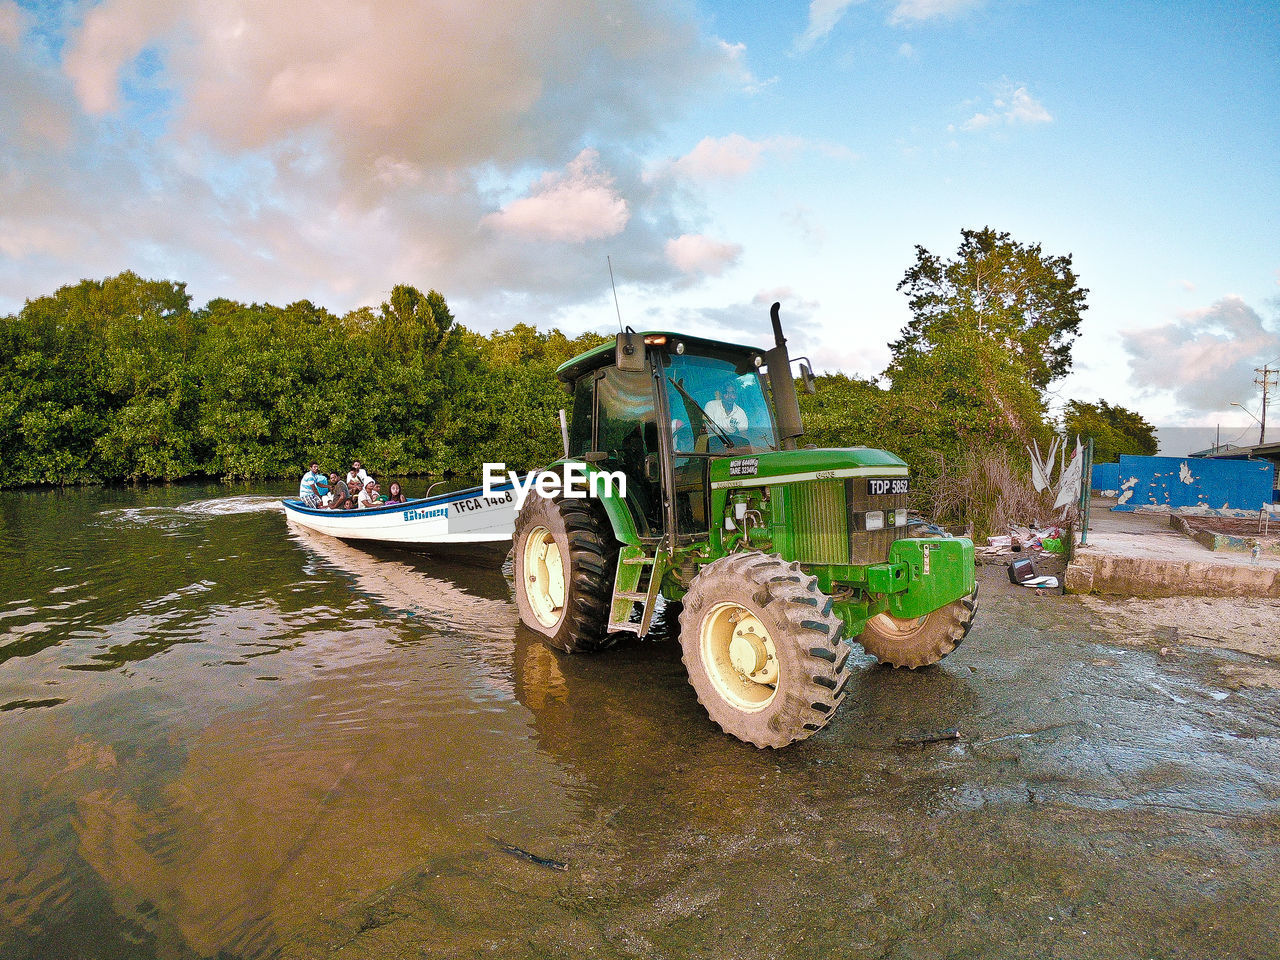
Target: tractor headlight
[[875, 519]]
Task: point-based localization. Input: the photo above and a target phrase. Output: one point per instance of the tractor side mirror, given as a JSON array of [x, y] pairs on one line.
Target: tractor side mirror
[[806, 377], [628, 352]]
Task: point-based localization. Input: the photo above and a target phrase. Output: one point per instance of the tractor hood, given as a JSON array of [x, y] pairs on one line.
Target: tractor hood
[[794, 466]]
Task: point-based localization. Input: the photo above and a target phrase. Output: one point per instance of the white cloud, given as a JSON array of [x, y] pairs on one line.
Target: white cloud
[[823, 17], [112, 35], [1206, 358], [914, 11], [331, 149], [12, 23], [1011, 107], [572, 207], [735, 56], [698, 254], [748, 322], [724, 158], [907, 51], [807, 224]]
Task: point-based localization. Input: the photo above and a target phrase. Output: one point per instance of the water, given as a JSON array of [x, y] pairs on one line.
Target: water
[[217, 728], [223, 737]]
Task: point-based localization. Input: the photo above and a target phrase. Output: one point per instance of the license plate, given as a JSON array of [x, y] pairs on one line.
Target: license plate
[[881, 488]]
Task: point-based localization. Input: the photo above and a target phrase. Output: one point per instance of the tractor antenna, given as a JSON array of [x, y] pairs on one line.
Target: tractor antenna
[[615, 292]]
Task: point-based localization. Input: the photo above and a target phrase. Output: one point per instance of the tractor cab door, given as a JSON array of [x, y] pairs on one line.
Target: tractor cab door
[[717, 409], [627, 436]]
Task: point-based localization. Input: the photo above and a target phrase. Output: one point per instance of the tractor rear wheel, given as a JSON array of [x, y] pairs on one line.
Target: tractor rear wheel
[[565, 558], [921, 641], [763, 649]]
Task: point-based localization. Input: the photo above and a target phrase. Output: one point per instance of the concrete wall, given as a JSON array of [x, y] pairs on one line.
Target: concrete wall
[[1106, 479], [1175, 482]]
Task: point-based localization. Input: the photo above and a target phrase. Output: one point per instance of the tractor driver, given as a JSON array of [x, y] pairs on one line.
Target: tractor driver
[[724, 410]]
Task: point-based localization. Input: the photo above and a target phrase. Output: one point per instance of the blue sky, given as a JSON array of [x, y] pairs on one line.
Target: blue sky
[[723, 154]]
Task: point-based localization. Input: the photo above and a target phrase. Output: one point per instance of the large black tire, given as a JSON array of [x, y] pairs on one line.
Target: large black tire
[[763, 649], [565, 558], [923, 641]]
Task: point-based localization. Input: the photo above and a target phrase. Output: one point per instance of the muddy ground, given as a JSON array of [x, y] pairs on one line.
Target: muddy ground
[[1115, 792]]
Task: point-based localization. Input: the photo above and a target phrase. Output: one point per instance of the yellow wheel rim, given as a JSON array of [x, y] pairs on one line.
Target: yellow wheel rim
[[544, 576], [739, 655]]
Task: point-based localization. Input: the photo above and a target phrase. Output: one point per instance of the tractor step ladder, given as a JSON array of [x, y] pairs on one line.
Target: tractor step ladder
[[631, 587]]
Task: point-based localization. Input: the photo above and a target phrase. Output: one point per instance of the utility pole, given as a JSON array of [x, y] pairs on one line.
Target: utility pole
[[1266, 381]]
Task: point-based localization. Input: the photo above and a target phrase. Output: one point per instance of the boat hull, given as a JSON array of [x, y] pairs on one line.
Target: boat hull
[[463, 519]]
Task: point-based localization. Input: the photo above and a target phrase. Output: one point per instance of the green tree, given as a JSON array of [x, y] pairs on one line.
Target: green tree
[[1115, 430], [846, 411], [91, 384], [1019, 298]]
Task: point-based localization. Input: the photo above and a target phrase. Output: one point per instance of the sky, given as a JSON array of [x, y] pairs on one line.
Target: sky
[[717, 154]]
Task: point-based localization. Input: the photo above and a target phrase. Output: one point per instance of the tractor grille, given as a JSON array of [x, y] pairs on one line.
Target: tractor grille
[[827, 519], [819, 521]]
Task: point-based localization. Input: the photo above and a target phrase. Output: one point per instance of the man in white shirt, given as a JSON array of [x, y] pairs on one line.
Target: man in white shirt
[[724, 410]]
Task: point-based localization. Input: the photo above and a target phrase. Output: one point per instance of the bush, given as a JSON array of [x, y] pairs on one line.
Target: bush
[[985, 488]]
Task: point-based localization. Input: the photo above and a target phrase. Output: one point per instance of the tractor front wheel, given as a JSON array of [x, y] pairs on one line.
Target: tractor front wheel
[[921, 641], [763, 649], [565, 558]]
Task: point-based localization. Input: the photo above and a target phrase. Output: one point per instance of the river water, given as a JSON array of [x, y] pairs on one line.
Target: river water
[[216, 728], [225, 737]]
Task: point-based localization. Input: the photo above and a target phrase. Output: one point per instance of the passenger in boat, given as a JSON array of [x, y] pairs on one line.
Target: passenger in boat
[[369, 495], [361, 474], [396, 494], [309, 491], [340, 495]]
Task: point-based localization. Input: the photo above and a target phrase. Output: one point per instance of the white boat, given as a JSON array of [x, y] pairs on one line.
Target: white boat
[[461, 519]]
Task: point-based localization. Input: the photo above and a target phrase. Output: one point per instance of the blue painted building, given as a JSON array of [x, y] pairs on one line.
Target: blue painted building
[[1106, 479], [1173, 482], [1261, 451]]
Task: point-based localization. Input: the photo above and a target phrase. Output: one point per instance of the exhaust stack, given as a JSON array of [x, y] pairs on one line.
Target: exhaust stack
[[786, 406]]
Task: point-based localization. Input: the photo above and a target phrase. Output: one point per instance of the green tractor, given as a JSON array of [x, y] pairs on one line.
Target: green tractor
[[778, 554]]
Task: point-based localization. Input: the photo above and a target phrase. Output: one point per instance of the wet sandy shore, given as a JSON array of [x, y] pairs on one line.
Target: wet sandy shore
[[1105, 799]]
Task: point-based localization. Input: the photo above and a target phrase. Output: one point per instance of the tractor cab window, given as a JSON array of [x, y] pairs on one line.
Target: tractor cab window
[[581, 417], [627, 435], [717, 404]]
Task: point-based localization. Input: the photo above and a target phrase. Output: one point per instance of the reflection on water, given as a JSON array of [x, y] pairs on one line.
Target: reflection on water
[[218, 729], [223, 737]]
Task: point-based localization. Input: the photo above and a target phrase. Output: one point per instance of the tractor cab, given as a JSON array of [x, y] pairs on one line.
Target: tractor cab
[[661, 415]]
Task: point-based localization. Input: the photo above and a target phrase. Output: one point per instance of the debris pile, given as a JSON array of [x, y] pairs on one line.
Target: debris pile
[[1022, 549], [1021, 541]]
